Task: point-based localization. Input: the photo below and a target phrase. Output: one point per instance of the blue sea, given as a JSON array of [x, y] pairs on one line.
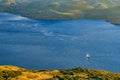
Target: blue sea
[[40, 44]]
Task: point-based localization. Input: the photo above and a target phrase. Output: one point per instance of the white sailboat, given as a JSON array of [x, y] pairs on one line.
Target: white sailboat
[[88, 56]]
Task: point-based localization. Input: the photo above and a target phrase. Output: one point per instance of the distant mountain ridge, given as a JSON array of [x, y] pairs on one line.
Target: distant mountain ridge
[[63, 9]]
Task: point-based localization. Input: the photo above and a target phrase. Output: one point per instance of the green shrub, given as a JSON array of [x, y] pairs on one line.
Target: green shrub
[[7, 75]]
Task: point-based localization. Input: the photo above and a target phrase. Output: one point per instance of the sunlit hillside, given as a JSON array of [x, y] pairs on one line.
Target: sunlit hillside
[[60, 9], [15, 73]]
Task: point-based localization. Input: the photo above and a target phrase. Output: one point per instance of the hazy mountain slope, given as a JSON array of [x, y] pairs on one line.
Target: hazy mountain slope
[[61, 9], [114, 15]]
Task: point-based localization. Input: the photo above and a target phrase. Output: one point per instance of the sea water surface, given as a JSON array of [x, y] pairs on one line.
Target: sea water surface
[[41, 44]]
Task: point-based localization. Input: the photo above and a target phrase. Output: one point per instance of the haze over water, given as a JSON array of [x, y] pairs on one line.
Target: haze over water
[[59, 44]]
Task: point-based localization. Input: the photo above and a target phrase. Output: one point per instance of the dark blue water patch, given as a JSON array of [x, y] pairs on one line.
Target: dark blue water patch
[[60, 44]]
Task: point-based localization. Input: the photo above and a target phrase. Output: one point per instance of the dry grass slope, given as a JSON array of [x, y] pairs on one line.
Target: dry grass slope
[[16, 73]]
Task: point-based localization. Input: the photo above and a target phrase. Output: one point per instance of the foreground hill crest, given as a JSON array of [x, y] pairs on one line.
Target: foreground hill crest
[[16, 73]]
